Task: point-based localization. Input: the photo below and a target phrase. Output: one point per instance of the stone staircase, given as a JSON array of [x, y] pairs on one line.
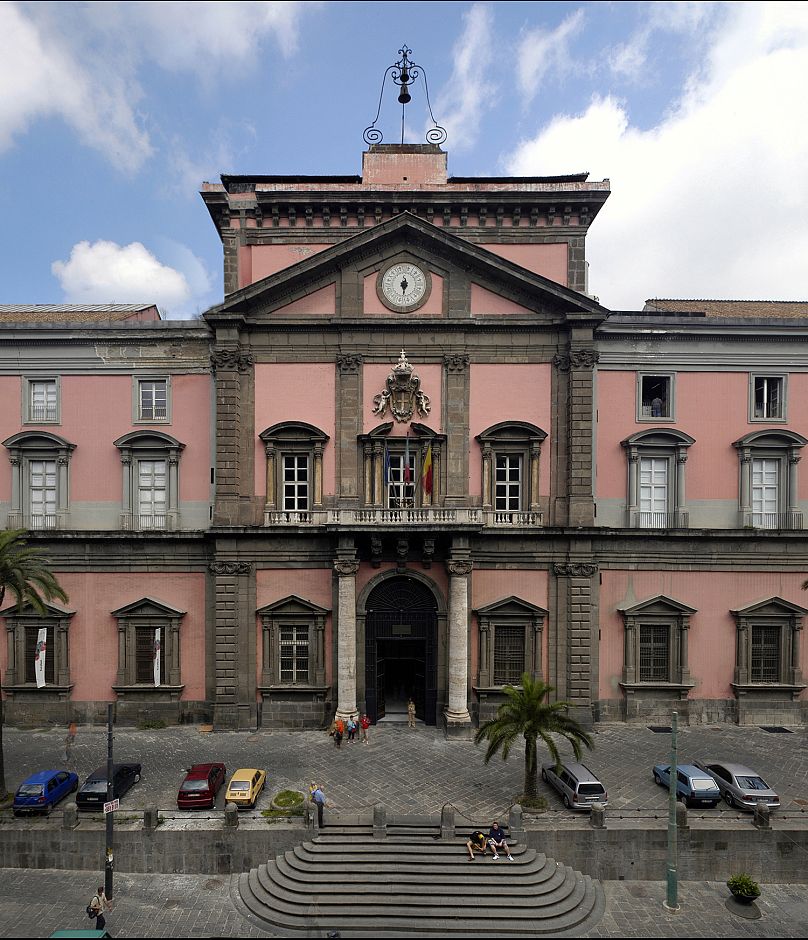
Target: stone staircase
[[414, 883]]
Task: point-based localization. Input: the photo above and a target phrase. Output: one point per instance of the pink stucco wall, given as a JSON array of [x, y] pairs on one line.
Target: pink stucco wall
[[256, 262], [93, 635], [513, 392], [712, 635], [374, 376], [548, 260], [432, 308], [312, 584], [321, 302], [295, 391], [485, 303], [95, 411], [712, 407]]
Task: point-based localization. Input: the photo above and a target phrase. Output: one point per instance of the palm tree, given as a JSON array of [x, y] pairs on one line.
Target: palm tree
[[25, 572], [528, 714]]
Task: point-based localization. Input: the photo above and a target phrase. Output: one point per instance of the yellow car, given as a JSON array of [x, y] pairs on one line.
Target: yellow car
[[244, 787]]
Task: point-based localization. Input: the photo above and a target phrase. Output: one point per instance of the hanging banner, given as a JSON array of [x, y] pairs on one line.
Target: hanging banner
[[157, 656], [39, 657]]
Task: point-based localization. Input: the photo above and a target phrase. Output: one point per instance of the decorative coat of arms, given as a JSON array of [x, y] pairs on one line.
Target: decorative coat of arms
[[402, 393]]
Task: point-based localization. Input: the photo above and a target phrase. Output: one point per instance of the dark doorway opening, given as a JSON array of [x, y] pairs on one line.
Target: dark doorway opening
[[401, 650]]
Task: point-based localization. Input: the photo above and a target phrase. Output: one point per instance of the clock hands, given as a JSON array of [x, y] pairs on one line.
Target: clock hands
[[404, 285]]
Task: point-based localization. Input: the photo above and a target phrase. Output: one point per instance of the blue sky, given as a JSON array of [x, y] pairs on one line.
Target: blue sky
[[112, 114]]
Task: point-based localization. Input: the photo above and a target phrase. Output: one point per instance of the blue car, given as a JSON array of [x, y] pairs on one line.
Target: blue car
[[43, 790], [694, 786]]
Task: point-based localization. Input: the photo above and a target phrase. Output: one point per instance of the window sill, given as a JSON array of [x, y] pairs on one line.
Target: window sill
[[782, 689], [149, 691], [682, 688], [286, 689], [28, 687]]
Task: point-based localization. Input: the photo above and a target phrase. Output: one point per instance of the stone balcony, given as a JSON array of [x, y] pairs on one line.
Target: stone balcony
[[428, 517]]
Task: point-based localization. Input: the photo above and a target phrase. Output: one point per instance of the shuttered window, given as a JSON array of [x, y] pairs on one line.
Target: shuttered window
[[31, 634]]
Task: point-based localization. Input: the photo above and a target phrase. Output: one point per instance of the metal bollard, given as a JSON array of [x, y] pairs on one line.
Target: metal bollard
[[447, 822], [516, 826], [681, 816], [231, 816], [71, 816], [597, 818], [763, 817], [379, 821], [150, 818]]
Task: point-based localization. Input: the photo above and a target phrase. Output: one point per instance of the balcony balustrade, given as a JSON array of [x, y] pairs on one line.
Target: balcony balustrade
[[777, 520], [426, 516]]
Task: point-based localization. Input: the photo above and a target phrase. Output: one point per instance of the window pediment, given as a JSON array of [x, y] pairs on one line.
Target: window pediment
[[516, 431], [148, 440], [37, 440], [511, 607], [660, 605], [768, 439], [659, 437], [52, 609], [148, 607], [293, 432], [770, 607], [292, 606]]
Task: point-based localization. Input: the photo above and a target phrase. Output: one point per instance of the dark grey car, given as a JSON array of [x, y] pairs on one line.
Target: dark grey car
[[93, 792], [739, 785]]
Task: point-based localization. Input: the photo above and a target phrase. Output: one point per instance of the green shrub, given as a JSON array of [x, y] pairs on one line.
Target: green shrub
[[744, 885]]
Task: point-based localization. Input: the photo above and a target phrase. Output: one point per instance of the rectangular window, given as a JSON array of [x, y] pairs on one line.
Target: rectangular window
[[656, 400], [768, 397], [765, 492], [42, 401], [42, 494], [152, 399], [509, 655], [401, 481], [144, 655], [295, 482], [654, 652], [765, 659], [294, 653], [151, 494], [31, 634], [654, 492], [508, 483]]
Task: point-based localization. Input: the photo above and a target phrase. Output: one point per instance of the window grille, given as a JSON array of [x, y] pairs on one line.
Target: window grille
[[765, 658], [509, 654], [144, 656], [31, 634], [294, 653], [654, 652]]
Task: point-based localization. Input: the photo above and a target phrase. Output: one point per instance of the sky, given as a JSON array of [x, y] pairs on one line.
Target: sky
[[112, 114]]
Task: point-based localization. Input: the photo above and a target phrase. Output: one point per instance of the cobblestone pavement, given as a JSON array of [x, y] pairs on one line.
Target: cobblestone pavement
[[35, 903], [413, 771]]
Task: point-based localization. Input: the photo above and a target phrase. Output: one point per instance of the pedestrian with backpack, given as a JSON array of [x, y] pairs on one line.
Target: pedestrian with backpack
[[97, 907]]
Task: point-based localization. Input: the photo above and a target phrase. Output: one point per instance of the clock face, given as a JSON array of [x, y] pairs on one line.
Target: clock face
[[404, 286]]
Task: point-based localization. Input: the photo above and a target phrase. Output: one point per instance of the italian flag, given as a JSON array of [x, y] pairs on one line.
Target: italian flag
[[426, 471]]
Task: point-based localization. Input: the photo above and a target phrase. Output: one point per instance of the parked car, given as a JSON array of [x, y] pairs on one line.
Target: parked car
[[43, 790], [201, 785], [244, 787], [739, 785], [93, 792], [578, 786], [693, 785]]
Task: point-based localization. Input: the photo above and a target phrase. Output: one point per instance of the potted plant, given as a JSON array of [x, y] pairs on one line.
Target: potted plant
[[743, 888]]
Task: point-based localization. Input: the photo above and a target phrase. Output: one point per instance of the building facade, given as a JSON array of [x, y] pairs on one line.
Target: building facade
[[409, 455]]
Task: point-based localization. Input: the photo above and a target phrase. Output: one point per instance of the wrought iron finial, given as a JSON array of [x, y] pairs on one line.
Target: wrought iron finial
[[404, 73]]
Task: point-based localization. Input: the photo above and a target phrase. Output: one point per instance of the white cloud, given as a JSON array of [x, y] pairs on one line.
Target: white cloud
[[82, 62], [105, 272], [542, 51], [712, 201], [461, 104]]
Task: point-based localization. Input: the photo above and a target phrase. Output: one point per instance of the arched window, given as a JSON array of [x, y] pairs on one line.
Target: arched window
[[39, 480], [510, 468], [294, 471], [769, 491], [150, 487], [656, 479]]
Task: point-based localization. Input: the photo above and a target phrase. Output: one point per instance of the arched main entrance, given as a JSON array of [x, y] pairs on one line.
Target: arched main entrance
[[401, 649]]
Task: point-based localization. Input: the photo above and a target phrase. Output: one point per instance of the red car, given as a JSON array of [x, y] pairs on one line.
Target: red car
[[200, 786]]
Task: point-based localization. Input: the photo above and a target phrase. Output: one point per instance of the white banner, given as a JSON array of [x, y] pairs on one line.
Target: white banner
[[39, 657], [157, 656]]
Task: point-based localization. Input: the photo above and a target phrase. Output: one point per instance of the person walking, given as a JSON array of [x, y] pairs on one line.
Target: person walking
[[351, 729], [70, 740], [318, 798], [364, 724], [100, 905], [410, 713], [339, 731]]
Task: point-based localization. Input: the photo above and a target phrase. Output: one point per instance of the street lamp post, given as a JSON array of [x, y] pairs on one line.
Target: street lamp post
[[672, 899], [110, 816]]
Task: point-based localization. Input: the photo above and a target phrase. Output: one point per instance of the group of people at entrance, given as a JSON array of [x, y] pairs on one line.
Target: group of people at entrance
[[339, 728], [479, 842]]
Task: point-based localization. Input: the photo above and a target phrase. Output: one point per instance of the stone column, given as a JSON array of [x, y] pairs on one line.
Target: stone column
[[681, 496], [633, 486], [269, 450], [793, 498], [126, 493], [346, 637], [746, 487], [318, 476], [796, 669], [267, 630], [456, 391], [535, 451], [367, 476], [378, 474], [630, 640], [458, 711], [487, 488], [349, 427]]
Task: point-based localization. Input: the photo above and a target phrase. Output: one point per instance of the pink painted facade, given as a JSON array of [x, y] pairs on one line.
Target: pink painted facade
[[485, 303], [548, 260], [259, 261], [321, 303]]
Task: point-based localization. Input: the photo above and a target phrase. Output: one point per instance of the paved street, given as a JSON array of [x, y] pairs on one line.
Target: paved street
[[413, 772]]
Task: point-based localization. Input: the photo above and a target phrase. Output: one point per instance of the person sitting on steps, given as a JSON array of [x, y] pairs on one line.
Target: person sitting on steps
[[477, 843], [496, 839]]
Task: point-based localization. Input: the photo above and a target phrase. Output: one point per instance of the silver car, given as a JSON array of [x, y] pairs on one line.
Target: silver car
[[578, 786], [740, 786]]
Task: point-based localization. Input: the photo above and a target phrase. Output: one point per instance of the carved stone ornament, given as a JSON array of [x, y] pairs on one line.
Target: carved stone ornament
[[459, 568], [231, 567], [231, 360], [402, 393], [349, 365], [456, 363], [575, 569], [344, 568], [580, 359]]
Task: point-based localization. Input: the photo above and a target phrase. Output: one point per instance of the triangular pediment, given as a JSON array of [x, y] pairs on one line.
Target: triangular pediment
[[507, 288], [658, 605], [769, 607], [511, 607], [148, 607], [52, 609], [292, 606]]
